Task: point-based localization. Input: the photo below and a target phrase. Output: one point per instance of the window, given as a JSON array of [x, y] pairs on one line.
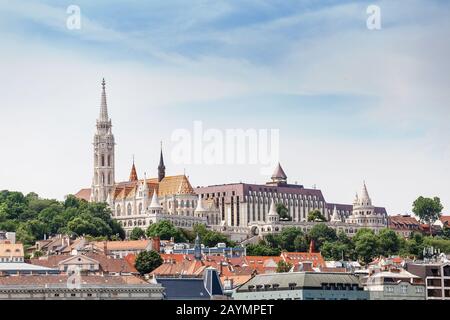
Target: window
[[404, 289], [389, 289], [419, 290]]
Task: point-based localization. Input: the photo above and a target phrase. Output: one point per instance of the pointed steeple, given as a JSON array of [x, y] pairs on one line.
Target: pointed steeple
[[154, 204], [200, 207], [335, 217], [278, 176], [144, 183], [144, 194], [133, 173], [161, 167], [197, 248], [272, 210], [364, 198], [273, 216], [103, 106]]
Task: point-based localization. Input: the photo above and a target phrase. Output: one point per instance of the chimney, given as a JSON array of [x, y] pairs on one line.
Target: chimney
[[105, 247], [311, 246], [156, 244]]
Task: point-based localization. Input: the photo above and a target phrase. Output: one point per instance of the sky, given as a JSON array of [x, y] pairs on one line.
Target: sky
[[350, 104]]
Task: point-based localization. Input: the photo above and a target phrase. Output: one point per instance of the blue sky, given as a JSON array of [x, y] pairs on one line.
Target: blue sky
[[351, 104]]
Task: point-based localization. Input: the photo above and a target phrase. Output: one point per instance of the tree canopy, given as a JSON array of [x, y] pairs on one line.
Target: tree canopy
[[283, 212], [165, 230], [32, 217], [316, 215], [147, 261], [137, 233], [428, 209]]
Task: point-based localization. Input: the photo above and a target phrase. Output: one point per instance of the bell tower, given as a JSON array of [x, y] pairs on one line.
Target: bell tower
[[103, 180]]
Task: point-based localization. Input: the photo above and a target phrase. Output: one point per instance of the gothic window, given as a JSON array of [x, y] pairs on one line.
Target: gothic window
[[118, 210], [140, 207], [109, 178], [103, 160], [129, 209], [109, 160]]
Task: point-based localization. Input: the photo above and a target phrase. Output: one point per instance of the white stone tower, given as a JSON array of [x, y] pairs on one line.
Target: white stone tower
[[103, 180]]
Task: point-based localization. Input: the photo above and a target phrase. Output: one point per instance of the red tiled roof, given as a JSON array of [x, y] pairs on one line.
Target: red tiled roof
[[84, 194], [445, 220], [299, 257], [403, 222], [107, 264]]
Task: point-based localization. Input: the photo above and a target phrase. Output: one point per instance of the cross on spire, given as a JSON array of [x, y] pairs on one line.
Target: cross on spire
[[103, 106]]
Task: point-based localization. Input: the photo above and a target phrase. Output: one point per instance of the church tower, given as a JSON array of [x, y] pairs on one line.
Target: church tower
[[161, 167], [103, 180]]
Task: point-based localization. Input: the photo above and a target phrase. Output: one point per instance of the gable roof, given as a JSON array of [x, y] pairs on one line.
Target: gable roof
[[107, 264], [84, 194]]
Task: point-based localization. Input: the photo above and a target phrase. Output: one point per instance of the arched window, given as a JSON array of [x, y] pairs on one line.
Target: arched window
[[109, 178], [140, 207], [129, 209], [109, 160], [103, 160]]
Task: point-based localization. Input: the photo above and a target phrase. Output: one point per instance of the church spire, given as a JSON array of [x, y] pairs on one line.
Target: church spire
[[133, 173], [103, 180], [161, 167], [103, 106]]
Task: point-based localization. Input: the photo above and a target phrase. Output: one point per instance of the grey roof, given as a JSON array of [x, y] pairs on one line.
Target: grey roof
[[184, 288], [22, 266], [301, 279], [279, 173]]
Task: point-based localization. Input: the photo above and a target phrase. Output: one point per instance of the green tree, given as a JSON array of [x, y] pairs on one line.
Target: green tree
[[316, 215], [262, 249], [287, 237], [137, 233], [147, 261], [389, 242], [283, 266], [366, 245], [321, 233], [165, 230], [37, 254], [283, 212], [334, 250], [428, 210]]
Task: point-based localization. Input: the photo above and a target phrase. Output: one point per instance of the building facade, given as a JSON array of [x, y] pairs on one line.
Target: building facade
[[436, 276], [140, 202], [302, 286], [238, 209], [395, 284], [55, 287], [247, 206]]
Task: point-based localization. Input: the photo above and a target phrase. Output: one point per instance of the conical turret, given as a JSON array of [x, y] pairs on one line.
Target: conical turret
[[273, 216], [335, 217], [154, 204], [133, 173]]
